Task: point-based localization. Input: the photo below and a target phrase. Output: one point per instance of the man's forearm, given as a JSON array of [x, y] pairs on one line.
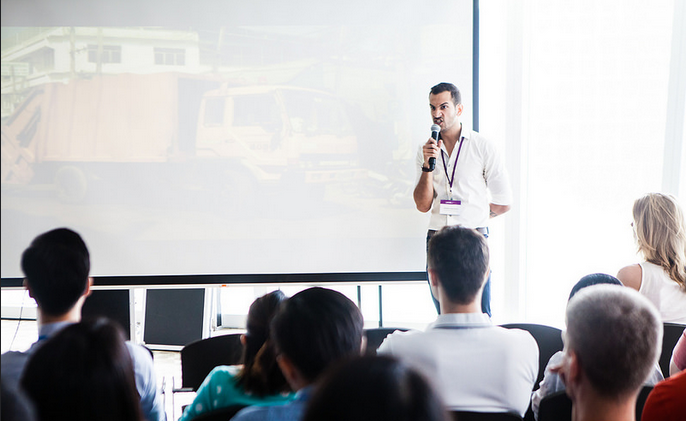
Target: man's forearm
[[498, 209], [424, 193]]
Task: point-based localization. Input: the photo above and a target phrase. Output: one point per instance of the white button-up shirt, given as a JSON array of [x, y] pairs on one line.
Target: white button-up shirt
[[480, 178], [473, 364]]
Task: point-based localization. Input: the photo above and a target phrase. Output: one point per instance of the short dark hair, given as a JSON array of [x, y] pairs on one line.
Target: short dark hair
[[260, 374], [460, 258], [445, 86], [593, 279], [316, 327], [374, 388], [56, 266], [84, 372]]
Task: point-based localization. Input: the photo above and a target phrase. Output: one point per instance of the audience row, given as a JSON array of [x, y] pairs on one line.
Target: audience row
[[302, 355]]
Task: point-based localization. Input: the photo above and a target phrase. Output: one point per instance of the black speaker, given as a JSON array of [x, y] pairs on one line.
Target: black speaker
[[174, 317], [112, 303]]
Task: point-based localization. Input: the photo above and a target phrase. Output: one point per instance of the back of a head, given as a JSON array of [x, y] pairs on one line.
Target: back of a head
[[260, 374], [616, 334], [56, 266], [460, 258], [317, 327], [593, 279], [374, 388], [660, 232], [83, 373]]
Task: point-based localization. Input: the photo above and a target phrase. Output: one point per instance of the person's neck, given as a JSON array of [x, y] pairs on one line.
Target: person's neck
[[451, 136], [448, 306], [73, 316], [594, 408], [451, 308]]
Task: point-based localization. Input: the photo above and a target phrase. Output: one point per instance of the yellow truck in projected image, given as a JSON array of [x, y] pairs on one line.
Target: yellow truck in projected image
[[193, 131]]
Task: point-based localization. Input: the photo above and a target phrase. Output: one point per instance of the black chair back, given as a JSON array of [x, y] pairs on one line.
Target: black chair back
[[670, 335], [549, 340], [484, 416], [375, 337], [200, 357], [555, 407]]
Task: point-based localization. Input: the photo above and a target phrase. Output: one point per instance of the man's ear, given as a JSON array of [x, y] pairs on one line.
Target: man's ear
[[88, 291], [363, 345], [569, 371], [244, 339], [28, 287], [433, 278], [574, 369]]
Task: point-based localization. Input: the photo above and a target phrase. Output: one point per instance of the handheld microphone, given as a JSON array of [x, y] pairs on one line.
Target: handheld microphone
[[435, 129]]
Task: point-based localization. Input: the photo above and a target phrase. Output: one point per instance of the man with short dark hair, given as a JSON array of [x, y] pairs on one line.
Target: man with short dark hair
[[313, 329], [56, 267], [475, 365], [612, 342], [467, 183]]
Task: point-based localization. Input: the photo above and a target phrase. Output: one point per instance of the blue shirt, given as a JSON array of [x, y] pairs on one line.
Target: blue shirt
[[292, 411]]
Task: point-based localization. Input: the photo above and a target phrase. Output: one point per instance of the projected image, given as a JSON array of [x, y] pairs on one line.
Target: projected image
[[160, 144]]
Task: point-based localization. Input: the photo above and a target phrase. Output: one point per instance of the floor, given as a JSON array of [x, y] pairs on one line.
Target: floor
[[18, 336]]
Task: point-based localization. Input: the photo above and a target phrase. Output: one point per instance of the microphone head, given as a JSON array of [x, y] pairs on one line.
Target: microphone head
[[435, 128]]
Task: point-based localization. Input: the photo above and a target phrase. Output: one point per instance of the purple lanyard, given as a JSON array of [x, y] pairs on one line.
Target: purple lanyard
[[445, 167]]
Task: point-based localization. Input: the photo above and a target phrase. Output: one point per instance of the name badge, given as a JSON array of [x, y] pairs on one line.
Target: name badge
[[450, 207]]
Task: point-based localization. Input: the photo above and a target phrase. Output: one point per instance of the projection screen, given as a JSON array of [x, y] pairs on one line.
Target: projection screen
[[222, 137]]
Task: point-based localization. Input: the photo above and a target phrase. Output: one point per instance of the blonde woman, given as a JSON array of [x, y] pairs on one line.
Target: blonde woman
[[660, 233]]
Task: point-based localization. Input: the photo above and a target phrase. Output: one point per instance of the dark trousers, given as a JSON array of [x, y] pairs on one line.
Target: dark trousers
[[485, 297]]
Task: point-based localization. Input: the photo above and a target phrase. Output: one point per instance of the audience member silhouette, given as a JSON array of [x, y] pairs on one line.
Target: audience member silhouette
[[312, 330], [551, 382], [660, 233], [374, 388], [259, 380], [612, 343], [56, 267], [474, 364], [83, 373]]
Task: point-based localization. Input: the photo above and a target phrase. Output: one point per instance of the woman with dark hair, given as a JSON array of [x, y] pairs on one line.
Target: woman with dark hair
[[83, 373], [259, 380], [374, 388]]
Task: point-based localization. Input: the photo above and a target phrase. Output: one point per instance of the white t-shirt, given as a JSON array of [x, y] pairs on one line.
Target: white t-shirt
[[480, 171], [664, 292], [474, 364]]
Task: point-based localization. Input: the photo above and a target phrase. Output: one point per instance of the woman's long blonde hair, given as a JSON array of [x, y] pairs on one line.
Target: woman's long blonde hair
[[661, 234]]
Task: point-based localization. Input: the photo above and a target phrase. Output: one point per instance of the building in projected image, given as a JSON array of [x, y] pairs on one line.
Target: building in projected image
[[34, 56]]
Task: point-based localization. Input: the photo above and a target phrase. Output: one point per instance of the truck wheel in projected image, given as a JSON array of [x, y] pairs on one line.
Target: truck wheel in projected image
[[71, 184]]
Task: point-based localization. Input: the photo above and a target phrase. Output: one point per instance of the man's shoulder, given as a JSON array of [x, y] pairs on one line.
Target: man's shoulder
[[139, 353], [399, 337], [493, 334], [481, 142], [515, 336], [13, 363], [251, 413], [291, 411]]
